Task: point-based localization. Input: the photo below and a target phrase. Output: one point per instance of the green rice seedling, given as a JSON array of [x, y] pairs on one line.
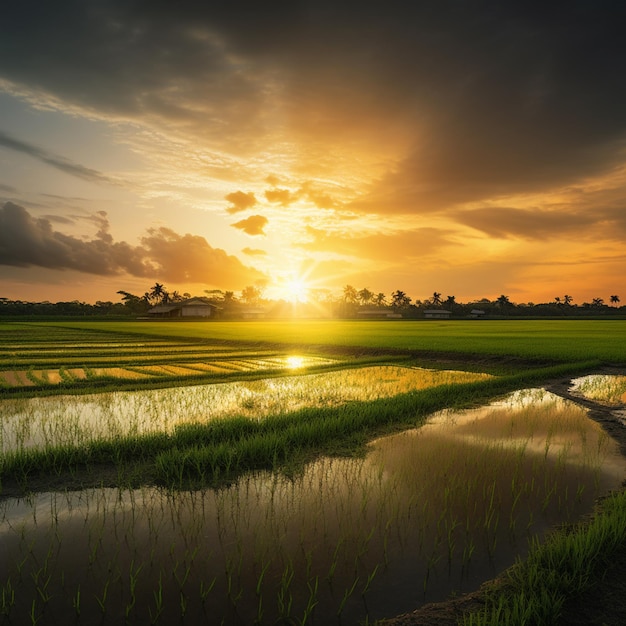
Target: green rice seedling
[[556, 570], [604, 388], [7, 599]]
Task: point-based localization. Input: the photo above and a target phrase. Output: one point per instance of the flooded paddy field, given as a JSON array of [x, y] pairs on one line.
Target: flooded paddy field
[[49, 364], [606, 388], [346, 537], [73, 420], [424, 514]]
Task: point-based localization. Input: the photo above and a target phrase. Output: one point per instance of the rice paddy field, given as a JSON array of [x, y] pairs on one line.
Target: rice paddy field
[[304, 473]]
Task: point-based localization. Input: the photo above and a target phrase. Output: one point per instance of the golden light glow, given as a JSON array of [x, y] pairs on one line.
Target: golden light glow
[[294, 362], [293, 289]]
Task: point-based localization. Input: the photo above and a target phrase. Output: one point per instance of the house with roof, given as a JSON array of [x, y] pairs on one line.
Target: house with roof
[[437, 314], [379, 313], [193, 308]]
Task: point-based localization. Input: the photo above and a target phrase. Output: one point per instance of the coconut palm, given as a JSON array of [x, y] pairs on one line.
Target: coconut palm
[[365, 296], [567, 300], [350, 295], [158, 293], [380, 299], [436, 300], [399, 299], [614, 299]]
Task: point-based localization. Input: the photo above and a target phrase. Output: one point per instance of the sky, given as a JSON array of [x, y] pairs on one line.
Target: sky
[[472, 148]]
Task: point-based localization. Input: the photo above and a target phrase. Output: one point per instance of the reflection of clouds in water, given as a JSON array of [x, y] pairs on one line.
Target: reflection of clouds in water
[[601, 387], [536, 421], [419, 497], [77, 419]]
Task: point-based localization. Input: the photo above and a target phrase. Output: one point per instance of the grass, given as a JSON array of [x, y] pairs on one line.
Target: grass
[[223, 449], [558, 340], [526, 352], [535, 590]]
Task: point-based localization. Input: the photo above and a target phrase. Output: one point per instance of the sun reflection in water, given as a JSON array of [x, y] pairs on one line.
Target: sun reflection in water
[[295, 362]]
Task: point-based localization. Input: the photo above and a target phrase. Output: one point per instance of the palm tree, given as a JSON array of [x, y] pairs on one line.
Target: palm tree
[[557, 300], [503, 301], [365, 296], [436, 299], [597, 302], [158, 293], [380, 299], [399, 299], [135, 303], [567, 300], [176, 297], [614, 299], [450, 302], [350, 295]]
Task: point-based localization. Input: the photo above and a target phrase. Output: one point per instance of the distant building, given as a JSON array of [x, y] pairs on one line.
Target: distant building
[[253, 313], [193, 308], [378, 314], [439, 314], [476, 314]]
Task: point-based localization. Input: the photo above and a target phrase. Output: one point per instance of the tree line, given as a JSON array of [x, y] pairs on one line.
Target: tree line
[[350, 302]]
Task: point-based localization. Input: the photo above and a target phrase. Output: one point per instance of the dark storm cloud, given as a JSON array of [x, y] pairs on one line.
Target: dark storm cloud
[[505, 223], [26, 241], [603, 223], [493, 97], [56, 161]]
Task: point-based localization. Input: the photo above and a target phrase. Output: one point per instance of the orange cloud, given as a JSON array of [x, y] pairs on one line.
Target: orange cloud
[[284, 197], [163, 253], [394, 247], [254, 252], [240, 201], [252, 225]]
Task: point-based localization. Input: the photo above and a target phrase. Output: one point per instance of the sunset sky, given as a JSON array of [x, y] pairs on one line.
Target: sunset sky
[[469, 148]]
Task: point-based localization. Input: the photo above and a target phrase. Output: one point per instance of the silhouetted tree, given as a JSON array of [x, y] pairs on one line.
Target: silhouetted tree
[[436, 300], [158, 294], [567, 300], [399, 300], [614, 299], [135, 304], [176, 297], [365, 296], [251, 294], [380, 299], [350, 295]]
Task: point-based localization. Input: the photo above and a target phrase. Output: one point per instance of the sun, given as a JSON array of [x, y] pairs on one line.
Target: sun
[[293, 288], [296, 289]]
